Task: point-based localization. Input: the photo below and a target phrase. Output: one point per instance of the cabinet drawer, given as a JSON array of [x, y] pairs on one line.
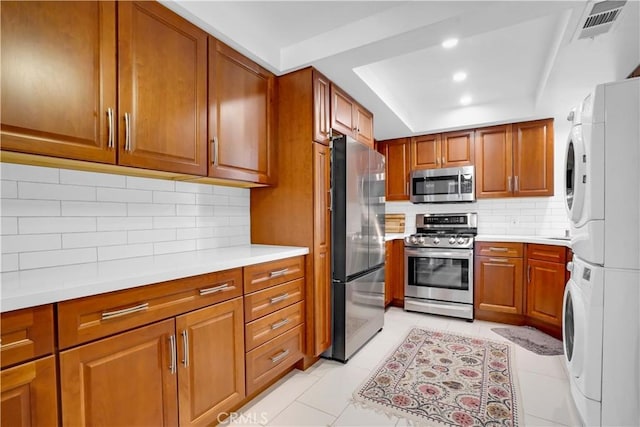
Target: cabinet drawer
[[267, 301], [26, 334], [89, 318], [273, 357], [547, 253], [500, 249], [262, 330], [260, 276]]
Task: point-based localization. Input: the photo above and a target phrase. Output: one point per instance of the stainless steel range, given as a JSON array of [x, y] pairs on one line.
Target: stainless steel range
[[439, 265]]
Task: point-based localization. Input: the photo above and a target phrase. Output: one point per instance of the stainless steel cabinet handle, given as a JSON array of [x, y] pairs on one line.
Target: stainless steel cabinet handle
[[110, 123], [509, 183], [123, 312], [280, 356], [278, 273], [459, 183], [528, 274], [494, 249], [214, 150], [330, 207], [279, 298], [185, 348], [498, 260], [279, 324], [437, 161], [443, 162], [127, 132], [516, 186], [215, 289], [172, 349]]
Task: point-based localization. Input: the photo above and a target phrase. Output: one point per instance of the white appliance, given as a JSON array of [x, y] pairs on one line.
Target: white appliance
[[601, 325]]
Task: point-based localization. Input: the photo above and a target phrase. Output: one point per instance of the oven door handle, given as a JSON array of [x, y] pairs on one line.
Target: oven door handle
[[430, 253]]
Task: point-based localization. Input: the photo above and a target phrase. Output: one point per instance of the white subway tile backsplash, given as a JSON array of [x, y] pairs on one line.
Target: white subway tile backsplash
[[94, 239], [22, 208], [106, 253], [91, 179], [150, 184], [173, 247], [53, 217], [174, 197], [9, 189], [55, 225], [124, 195], [9, 262], [34, 190], [150, 236], [16, 172], [93, 209], [29, 260], [150, 209], [30, 242]]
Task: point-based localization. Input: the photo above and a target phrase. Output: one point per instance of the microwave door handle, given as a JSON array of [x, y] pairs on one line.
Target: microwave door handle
[[459, 184]]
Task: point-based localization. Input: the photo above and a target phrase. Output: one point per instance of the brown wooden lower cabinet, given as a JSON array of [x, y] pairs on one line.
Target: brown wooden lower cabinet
[[394, 273], [29, 396], [498, 289], [186, 369]]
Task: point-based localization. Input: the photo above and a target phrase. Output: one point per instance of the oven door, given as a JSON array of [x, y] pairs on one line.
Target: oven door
[[439, 274]]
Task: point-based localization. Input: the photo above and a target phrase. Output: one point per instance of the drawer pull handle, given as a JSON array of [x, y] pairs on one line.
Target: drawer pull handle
[[185, 348], [498, 260], [279, 298], [494, 249], [278, 273], [279, 324], [213, 290], [280, 356], [172, 361], [129, 310]]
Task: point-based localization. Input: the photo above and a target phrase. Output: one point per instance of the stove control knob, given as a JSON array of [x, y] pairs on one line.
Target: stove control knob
[[421, 240], [436, 241], [462, 240], [414, 239], [452, 240]]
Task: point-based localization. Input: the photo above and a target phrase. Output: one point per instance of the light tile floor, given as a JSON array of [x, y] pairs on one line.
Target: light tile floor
[[321, 396]]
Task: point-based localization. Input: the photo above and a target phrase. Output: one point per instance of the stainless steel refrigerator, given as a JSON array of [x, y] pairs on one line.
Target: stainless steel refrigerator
[[357, 246]]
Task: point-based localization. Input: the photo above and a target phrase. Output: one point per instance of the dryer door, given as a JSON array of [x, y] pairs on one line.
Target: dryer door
[[573, 321], [575, 176]]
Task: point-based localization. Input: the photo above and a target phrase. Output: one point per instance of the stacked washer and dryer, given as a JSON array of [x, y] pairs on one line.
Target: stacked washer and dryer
[[601, 321]]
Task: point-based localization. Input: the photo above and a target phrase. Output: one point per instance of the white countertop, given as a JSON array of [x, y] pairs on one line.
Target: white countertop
[[543, 240], [29, 288]]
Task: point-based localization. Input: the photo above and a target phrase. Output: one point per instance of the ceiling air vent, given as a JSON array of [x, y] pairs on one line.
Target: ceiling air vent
[[601, 18]]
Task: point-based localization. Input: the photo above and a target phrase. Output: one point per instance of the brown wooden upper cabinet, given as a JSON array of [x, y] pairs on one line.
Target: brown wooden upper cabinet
[[59, 84], [397, 167], [515, 160], [349, 118], [241, 117], [442, 150], [59, 79], [321, 108], [162, 80]]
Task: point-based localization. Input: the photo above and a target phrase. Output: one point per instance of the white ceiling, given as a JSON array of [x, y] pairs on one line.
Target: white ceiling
[[522, 58]]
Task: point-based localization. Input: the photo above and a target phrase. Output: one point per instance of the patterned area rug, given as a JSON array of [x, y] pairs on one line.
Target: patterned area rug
[[532, 339], [438, 378]]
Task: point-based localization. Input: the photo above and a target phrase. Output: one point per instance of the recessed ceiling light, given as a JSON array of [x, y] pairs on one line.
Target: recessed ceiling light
[[459, 76], [465, 100], [449, 43]]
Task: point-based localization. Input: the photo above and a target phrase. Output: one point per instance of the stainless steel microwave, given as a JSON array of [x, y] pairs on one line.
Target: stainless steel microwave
[[447, 185]]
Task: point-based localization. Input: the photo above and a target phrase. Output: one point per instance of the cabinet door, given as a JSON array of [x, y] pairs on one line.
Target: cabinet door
[[545, 290], [321, 110], [533, 158], [321, 249], [241, 97], [494, 164], [342, 112], [29, 396], [124, 380], [162, 83], [388, 272], [397, 168], [498, 285], [26, 334], [457, 148], [364, 125], [425, 152], [210, 362], [397, 284], [58, 77]]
